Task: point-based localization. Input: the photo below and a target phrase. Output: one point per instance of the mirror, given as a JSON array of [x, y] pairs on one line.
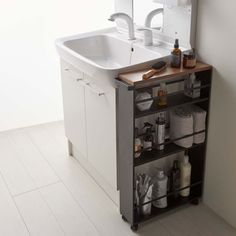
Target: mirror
[[178, 20], [142, 10]]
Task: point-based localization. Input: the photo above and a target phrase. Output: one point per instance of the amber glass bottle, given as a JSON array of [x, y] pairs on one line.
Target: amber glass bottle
[[176, 55]]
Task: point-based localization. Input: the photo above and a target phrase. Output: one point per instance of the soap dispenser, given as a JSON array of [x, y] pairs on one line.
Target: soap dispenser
[[148, 137]]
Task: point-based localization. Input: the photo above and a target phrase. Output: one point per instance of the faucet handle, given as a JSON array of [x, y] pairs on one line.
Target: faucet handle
[[148, 37]]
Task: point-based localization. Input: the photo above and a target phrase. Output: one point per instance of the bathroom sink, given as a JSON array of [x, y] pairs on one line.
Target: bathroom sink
[[107, 51], [102, 50]]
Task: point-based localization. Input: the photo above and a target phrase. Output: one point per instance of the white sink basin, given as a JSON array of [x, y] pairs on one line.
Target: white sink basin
[[103, 50], [107, 52]]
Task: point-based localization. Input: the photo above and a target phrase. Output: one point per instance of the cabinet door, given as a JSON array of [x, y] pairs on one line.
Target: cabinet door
[[74, 108], [101, 130]]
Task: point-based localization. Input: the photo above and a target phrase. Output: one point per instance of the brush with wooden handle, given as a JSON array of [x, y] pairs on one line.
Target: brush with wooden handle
[[156, 68]]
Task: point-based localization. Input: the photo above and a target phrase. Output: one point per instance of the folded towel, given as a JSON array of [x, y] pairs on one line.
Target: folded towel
[[181, 124]]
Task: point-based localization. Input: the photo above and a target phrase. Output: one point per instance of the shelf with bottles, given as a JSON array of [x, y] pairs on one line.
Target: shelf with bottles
[[175, 131], [155, 154], [166, 190], [174, 99]]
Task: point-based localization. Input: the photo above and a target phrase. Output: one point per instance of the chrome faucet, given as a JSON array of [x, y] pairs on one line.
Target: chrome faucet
[[148, 35], [129, 21]]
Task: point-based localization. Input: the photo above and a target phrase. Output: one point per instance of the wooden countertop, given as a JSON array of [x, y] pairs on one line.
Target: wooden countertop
[[136, 79]]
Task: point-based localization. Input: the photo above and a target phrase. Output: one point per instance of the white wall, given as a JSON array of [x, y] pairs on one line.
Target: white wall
[[30, 91], [216, 36]]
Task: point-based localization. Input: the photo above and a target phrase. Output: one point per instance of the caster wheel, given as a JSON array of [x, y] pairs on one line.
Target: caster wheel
[[124, 219], [134, 228], [195, 202]]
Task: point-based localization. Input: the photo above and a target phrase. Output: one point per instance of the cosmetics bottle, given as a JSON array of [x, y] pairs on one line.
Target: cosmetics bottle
[[175, 178], [162, 95], [176, 55], [189, 59], [160, 130], [185, 175], [148, 137], [160, 190]]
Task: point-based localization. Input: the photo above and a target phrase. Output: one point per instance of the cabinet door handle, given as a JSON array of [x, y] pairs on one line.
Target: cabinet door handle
[[74, 74], [99, 93], [88, 85]]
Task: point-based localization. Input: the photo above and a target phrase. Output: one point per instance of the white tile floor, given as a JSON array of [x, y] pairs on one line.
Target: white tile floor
[[45, 192]]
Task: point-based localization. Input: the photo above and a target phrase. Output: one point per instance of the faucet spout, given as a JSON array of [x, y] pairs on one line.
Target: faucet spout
[[150, 16], [128, 20]]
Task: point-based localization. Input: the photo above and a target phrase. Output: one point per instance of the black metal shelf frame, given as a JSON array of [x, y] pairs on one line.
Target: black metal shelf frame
[[154, 155], [127, 113], [172, 204], [173, 102], [174, 94]]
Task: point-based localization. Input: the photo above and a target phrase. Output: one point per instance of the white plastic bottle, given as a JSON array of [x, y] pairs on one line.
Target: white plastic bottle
[[160, 189], [185, 176]]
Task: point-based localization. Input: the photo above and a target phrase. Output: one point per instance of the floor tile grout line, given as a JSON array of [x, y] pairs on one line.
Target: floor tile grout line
[[50, 209], [35, 189], [12, 198], [39, 191], [82, 209], [19, 159], [3, 132], [11, 139], [20, 162]]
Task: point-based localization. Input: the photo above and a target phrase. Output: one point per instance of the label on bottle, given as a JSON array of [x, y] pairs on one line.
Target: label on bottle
[[162, 97], [147, 145], [175, 60], [160, 135], [185, 181], [160, 190], [196, 92]]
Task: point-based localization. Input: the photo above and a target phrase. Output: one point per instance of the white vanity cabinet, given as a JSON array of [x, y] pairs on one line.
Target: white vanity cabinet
[[74, 108], [101, 132], [90, 125]]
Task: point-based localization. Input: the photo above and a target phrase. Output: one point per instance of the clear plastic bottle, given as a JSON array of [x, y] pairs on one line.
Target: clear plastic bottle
[[162, 95], [160, 189]]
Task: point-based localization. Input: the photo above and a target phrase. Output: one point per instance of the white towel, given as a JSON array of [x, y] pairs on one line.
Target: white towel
[[199, 124], [181, 124]]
